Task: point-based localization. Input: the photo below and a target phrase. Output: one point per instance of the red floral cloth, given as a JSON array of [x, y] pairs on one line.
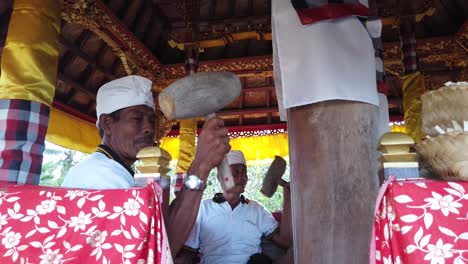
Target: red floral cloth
[[57, 225], [422, 221]]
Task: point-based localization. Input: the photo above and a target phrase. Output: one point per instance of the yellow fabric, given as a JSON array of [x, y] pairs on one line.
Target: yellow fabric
[[398, 128], [413, 87], [71, 132], [30, 56], [171, 145], [257, 150], [187, 136]]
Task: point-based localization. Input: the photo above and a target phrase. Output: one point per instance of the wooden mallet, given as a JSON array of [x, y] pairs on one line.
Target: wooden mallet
[[273, 177], [202, 94]]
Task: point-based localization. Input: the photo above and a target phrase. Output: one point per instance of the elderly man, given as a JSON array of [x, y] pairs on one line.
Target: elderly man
[[127, 123], [229, 227]]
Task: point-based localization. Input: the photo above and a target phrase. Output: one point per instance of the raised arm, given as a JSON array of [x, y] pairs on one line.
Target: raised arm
[[212, 146], [284, 237]]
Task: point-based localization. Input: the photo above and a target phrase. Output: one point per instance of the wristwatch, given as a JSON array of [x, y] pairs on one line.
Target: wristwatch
[[194, 183]]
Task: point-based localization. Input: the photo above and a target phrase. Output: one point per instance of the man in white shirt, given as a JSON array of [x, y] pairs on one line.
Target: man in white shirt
[[127, 123], [229, 227]]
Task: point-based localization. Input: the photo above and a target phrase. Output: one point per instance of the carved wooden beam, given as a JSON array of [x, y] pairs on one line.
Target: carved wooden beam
[[261, 65], [248, 111], [136, 58], [441, 52], [97, 17], [461, 38]]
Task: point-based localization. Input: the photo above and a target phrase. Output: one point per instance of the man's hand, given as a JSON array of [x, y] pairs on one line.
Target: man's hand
[[284, 237], [212, 146]]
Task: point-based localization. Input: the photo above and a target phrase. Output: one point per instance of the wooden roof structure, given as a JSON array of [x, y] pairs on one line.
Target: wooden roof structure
[[106, 39]]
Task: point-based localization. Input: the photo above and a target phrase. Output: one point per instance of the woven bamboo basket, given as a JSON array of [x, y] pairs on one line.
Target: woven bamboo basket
[[445, 156], [444, 107]]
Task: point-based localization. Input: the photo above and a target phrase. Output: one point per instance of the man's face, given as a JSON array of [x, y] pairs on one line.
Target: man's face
[[239, 173], [132, 131]]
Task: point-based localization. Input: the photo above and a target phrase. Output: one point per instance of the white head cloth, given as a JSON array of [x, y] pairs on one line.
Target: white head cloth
[[235, 157], [120, 93]]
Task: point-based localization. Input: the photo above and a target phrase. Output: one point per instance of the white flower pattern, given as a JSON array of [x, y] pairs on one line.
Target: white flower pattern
[[46, 206], [427, 220], [3, 220], [74, 193], [11, 239], [132, 207], [444, 203], [97, 238], [79, 222], [51, 257], [438, 252], [53, 222]]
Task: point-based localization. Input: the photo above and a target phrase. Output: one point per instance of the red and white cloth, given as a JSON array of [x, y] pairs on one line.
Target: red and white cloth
[[311, 11], [421, 221], [58, 225], [23, 127]]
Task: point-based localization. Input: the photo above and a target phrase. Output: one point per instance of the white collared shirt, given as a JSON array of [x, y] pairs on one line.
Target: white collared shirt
[[98, 172], [223, 235]]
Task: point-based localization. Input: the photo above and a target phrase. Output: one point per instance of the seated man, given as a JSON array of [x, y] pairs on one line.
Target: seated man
[[127, 123], [229, 227]]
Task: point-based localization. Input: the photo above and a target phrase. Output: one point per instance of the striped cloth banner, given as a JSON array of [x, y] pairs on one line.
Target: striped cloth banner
[[408, 45], [23, 127], [311, 11], [374, 27]]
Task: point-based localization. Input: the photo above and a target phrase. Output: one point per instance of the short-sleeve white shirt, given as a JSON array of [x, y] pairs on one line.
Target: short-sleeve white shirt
[[98, 172], [223, 235]]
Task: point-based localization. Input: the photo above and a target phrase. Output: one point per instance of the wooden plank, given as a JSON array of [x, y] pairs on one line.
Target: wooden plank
[[91, 61], [333, 163], [247, 111], [132, 12], [5, 5]]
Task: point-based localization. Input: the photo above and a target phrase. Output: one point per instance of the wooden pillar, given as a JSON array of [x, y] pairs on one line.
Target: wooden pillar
[[334, 180]]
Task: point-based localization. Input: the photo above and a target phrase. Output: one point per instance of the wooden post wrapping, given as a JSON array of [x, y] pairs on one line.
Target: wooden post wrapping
[[334, 180], [27, 84]]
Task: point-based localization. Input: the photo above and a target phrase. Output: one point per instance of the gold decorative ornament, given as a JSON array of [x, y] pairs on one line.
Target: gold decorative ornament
[[396, 148], [154, 166]]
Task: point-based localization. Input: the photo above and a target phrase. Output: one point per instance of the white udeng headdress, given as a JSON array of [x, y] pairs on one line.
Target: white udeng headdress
[[235, 157], [124, 92]]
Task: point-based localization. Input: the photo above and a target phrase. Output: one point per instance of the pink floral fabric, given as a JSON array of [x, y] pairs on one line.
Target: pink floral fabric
[[56, 225], [422, 221]]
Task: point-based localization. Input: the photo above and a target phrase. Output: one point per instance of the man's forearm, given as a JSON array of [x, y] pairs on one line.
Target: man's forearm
[[285, 231], [183, 211], [182, 215]]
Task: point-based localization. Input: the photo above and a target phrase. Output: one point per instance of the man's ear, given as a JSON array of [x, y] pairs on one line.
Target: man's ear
[[106, 122]]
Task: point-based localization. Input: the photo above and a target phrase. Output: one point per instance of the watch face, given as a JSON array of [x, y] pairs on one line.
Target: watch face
[[192, 182]]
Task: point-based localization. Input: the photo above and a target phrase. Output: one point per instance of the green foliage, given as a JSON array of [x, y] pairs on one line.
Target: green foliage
[[252, 190], [57, 162]]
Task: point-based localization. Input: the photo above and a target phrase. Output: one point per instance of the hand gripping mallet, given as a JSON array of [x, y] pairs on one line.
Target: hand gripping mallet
[[202, 94]]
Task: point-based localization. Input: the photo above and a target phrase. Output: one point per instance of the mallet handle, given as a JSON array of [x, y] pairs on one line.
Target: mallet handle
[[282, 183], [224, 171]]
